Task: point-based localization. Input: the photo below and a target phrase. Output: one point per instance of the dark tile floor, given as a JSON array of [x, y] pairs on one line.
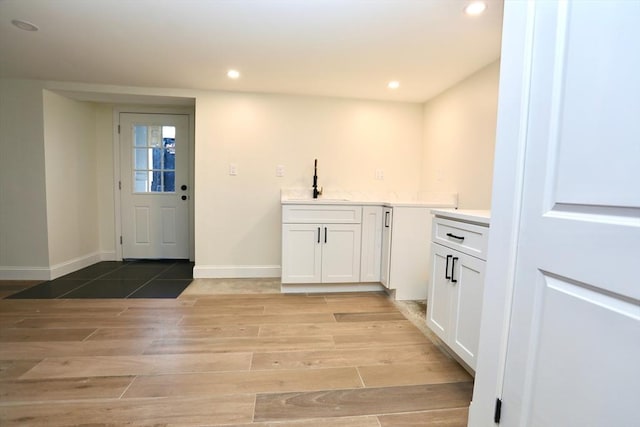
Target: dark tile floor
[[117, 279]]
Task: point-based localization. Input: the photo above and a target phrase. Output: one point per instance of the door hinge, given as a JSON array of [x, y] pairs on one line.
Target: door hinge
[[118, 128], [120, 239], [119, 185], [498, 411]]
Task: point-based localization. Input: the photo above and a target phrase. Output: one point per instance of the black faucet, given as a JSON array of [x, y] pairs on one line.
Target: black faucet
[[316, 192]]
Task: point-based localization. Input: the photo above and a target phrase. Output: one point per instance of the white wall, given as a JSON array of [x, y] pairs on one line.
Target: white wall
[[104, 170], [70, 157], [459, 139], [237, 218], [23, 218], [50, 218]]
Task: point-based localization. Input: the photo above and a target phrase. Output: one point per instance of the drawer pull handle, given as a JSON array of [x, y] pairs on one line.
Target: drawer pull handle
[[318, 234], [325, 234], [453, 267], [455, 237], [446, 268]]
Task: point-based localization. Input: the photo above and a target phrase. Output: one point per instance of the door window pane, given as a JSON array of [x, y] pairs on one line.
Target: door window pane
[[141, 158], [154, 159], [169, 159], [141, 182], [169, 180], [140, 136], [156, 182], [155, 136]]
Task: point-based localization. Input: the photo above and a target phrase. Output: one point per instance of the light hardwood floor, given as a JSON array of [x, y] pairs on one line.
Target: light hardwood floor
[[255, 360]]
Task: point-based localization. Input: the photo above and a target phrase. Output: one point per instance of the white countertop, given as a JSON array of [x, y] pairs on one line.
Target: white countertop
[[427, 200], [469, 215]]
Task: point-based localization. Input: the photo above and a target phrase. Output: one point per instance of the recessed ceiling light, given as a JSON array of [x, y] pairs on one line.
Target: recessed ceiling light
[[24, 25], [233, 74], [475, 8], [394, 84]]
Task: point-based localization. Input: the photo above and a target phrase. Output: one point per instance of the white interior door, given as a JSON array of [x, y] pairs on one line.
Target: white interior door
[[154, 193], [574, 336]]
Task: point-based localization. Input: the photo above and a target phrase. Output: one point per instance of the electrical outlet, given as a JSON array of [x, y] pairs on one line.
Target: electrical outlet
[[233, 169], [379, 174], [280, 171]]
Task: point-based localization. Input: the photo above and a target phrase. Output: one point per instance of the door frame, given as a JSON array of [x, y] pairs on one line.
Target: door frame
[[507, 227], [506, 207], [117, 206]]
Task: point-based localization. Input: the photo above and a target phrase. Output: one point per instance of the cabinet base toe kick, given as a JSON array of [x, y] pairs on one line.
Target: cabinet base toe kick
[[312, 288]]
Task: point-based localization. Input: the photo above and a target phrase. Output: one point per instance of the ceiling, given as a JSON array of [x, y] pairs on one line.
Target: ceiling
[[343, 48]]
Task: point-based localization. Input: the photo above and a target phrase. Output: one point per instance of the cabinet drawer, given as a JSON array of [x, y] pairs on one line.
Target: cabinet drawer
[[470, 239], [322, 214]]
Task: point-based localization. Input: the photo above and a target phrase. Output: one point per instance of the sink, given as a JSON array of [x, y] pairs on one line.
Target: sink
[[319, 199]]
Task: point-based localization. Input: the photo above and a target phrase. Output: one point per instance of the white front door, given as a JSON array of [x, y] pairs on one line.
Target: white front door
[[573, 352], [154, 193]]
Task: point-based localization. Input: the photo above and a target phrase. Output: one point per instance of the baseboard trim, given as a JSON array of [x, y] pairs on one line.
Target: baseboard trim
[[311, 288], [235, 271], [108, 256], [24, 273], [54, 271], [75, 264]]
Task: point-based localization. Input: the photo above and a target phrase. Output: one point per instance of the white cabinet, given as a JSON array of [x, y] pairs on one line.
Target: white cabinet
[[371, 252], [301, 253], [321, 244], [439, 300], [405, 249], [454, 305], [386, 247], [341, 253]]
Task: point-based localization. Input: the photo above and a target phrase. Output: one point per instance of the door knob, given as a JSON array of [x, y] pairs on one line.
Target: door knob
[[183, 197], [183, 187]]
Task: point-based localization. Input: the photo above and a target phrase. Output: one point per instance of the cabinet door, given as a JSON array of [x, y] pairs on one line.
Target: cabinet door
[[440, 292], [467, 306], [371, 250], [340, 253], [385, 267], [301, 253]]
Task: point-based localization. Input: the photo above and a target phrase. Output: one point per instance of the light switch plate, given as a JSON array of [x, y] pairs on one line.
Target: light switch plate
[[379, 174], [233, 169], [280, 171]]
